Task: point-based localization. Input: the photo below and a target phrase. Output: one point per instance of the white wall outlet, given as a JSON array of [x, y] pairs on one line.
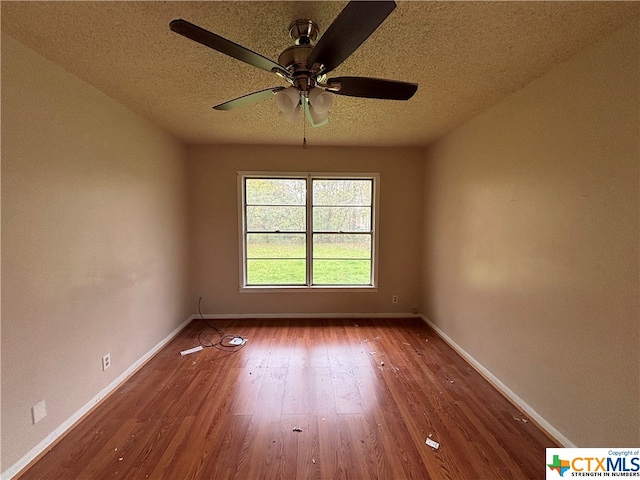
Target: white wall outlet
[[106, 361], [38, 411], [394, 299]]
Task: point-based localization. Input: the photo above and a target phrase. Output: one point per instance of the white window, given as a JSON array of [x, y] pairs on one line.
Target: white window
[[307, 230]]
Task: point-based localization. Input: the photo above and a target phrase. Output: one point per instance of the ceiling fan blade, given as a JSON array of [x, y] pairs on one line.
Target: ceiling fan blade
[[373, 88], [211, 40], [353, 25], [248, 99]]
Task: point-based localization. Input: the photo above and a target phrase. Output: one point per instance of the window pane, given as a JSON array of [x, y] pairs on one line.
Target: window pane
[[341, 272], [342, 246], [273, 245], [341, 219], [275, 191], [273, 219], [342, 192], [276, 272], [282, 214]]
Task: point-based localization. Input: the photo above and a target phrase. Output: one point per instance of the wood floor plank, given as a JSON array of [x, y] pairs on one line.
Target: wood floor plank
[[346, 393], [297, 390], [245, 392], [365, 395], [322, 395], [228, 446]]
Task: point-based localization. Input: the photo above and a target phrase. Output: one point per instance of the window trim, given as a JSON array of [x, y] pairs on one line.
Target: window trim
[[309, 176]]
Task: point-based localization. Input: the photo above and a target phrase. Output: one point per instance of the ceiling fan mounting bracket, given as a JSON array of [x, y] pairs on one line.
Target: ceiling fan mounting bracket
[[303, 32], [331, 87]]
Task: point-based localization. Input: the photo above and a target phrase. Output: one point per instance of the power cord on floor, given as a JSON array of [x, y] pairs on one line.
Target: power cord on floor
[[225, 342]]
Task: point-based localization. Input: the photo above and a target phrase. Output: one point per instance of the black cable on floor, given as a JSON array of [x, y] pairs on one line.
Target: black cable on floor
[[222, 342]]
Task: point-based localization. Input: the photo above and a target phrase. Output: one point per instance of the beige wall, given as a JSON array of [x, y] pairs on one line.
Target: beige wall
[[531, 242], [94, 243], [213, 181]]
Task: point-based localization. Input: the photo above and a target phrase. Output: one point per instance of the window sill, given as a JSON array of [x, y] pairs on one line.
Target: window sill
[[305, 289]]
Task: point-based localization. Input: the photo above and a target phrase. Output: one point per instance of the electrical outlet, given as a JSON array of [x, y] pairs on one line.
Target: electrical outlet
[[38, 411], [394, 299], [106, 361]]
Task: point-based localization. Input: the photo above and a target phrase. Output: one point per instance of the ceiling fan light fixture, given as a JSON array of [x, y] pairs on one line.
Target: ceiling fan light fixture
[[287, 100], [320, 100]]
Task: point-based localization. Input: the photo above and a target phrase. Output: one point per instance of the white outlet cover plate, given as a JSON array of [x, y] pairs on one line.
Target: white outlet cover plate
[[39, 411], [106, 361], [237, 341]]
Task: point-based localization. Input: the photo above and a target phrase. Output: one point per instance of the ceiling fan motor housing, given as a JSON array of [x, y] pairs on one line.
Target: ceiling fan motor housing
[[304, 33], [295, 60]]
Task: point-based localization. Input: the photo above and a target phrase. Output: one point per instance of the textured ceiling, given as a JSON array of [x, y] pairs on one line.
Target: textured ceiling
[[465, 56]]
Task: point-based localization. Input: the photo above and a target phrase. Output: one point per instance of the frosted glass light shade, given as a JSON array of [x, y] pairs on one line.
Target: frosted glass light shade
[[320, 100], [292, 116], [316, 116], [287, 100]]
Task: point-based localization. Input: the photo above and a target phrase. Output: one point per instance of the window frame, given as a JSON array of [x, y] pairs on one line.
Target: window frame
[[308, 177]]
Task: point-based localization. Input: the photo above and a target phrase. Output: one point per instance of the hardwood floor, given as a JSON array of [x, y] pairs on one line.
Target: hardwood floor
[[366, 395]]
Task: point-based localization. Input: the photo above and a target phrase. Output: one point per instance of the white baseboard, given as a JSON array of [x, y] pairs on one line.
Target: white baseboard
[[14, 469], [236, 316], [506, 391]]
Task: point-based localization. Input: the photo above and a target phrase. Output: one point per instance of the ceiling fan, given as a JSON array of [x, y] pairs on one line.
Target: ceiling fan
[[305, 65]]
